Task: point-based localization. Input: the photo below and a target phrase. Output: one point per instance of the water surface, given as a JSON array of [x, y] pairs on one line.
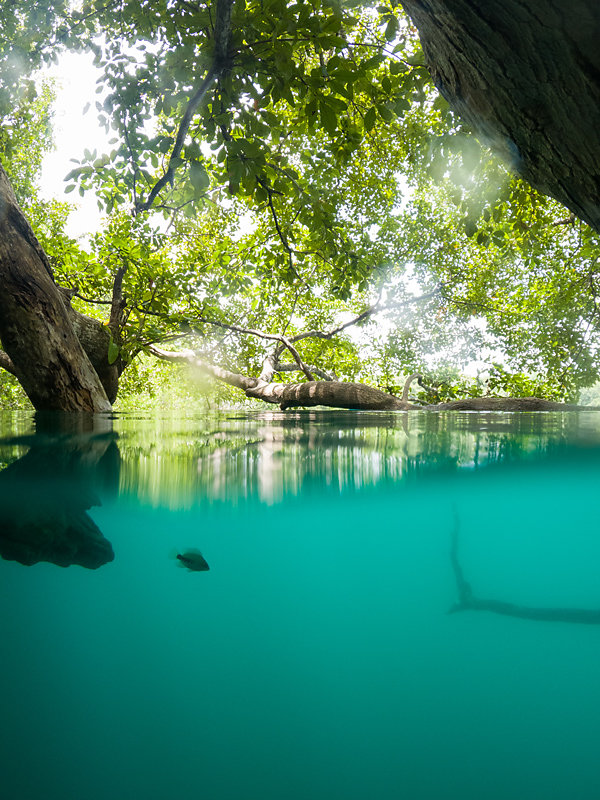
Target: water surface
[[317, 658]]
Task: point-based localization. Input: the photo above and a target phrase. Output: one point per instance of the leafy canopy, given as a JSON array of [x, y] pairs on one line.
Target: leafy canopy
[[308, 174]]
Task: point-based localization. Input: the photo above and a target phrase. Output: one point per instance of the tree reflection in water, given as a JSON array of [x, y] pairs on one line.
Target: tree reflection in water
[[45, 494]]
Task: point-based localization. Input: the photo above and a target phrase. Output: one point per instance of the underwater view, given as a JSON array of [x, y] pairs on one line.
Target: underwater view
[[312, 606]]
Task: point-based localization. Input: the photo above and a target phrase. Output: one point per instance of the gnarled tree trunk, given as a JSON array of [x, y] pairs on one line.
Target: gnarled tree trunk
[[35, 329], [525, 75]]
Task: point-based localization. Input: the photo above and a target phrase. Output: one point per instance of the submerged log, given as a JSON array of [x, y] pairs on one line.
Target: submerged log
[[504, 404], [467, 601]]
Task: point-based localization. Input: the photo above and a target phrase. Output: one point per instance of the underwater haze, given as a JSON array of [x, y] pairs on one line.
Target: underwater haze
[[386, 606]]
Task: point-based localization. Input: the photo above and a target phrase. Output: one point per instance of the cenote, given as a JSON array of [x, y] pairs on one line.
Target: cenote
[[397, 605]]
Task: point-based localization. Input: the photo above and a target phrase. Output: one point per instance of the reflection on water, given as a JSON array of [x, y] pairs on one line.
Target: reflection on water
[[317, 657], [46, 491], [272, 455]]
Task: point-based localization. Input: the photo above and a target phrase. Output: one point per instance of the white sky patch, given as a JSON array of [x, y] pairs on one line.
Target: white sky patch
[[75, 77]]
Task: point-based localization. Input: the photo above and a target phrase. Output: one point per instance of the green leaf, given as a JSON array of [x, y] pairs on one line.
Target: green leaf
[[391, 29], [385, 113], [328, 118], [199, 177], [470, 227], [113, 351], [397, 67], [370, 119]]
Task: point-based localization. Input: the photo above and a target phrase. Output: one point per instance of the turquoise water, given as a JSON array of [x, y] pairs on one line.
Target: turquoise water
[[317, 658]]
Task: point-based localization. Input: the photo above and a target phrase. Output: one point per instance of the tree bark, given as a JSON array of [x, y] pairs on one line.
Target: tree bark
[[334, 394], [94, 337], [36, 332], [525, 75]]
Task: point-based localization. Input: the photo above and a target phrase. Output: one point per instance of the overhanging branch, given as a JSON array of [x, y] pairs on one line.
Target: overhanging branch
[[219, 64], [189, 357], [376, 308]]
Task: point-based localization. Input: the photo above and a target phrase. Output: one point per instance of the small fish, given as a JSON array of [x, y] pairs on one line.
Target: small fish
[[193, 560]]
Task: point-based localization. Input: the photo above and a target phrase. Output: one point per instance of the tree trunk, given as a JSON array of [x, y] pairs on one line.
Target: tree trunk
[[504, 404], [35, 328], [94, 337], [525, 75], [334, 394]]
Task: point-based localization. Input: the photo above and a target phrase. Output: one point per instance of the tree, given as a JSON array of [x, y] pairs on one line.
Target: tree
[[254, 62], [284, 113], [41, 347]]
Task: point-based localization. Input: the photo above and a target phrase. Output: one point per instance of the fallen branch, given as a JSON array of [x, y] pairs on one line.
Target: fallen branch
[[334, 394], [468, 602], [339, 394], [505, 404]]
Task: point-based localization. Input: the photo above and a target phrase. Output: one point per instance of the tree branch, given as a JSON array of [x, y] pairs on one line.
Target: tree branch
[[376, 308], [468, 602], [326, 376], [275, 337], [219, 64], [6, 363], [189, 357], [280, 233], [407, 384], [117, 302]]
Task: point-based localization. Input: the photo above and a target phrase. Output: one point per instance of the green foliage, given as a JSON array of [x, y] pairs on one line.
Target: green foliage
[[25, 138], [319, 175], [12, 395]]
